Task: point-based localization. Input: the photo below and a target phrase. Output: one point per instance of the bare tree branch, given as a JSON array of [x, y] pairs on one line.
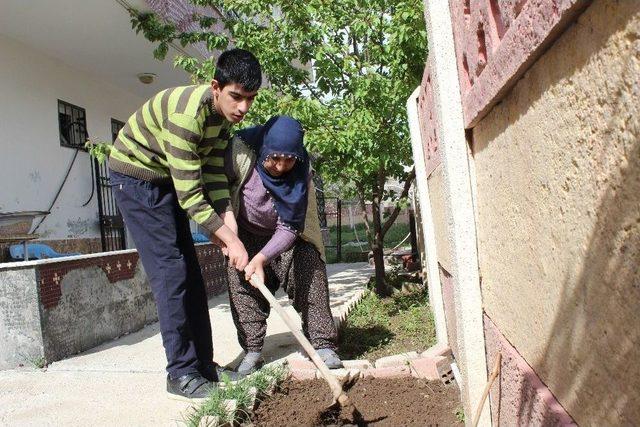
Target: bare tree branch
[[405, 191]]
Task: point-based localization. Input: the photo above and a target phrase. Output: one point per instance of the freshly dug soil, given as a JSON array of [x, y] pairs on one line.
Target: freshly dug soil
[[382, 402]]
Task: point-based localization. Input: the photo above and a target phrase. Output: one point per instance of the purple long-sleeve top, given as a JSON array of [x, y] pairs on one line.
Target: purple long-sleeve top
[[258, 215]]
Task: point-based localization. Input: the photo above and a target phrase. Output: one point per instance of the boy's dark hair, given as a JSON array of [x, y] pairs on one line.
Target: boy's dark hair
[[239, 66]]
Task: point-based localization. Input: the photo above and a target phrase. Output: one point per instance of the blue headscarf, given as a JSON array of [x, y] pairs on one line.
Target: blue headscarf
[[282, 135]]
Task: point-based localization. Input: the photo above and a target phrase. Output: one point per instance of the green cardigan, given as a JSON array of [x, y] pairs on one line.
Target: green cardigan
[[244, 160]]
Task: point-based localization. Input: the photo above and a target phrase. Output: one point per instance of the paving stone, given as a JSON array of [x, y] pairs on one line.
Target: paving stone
[[396, 360], [438, 350], [208, 421], [253, 392], [303, 374], [230, 405], [388, 372], [301, 364], [357, 364], [426, 367], [342, 373]]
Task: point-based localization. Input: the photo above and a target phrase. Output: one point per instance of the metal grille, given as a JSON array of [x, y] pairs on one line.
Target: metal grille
[[72, 121], [112, 230], [322, 216]]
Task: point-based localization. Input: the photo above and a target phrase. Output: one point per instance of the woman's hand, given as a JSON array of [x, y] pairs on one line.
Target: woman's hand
[[255, 266]]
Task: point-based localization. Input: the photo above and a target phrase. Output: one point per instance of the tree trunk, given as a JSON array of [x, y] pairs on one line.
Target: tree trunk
[[382, 289]]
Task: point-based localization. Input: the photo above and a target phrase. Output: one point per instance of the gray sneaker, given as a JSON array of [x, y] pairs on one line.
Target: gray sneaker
[[330, 358], [251, 362]]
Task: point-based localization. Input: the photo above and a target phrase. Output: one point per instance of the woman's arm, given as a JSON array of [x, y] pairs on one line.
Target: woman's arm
[[280, 242]]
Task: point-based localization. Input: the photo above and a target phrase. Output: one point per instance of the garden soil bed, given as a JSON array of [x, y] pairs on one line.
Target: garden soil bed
[[382, 402]]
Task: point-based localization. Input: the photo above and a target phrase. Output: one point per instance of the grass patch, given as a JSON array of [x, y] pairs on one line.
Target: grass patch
[[38, 362], [379, 327], [215, 406]]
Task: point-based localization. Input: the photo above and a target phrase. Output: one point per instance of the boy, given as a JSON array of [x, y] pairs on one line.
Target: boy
[[168, 159]]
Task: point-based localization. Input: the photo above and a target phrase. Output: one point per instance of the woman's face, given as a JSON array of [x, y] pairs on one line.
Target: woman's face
[[279, 165]]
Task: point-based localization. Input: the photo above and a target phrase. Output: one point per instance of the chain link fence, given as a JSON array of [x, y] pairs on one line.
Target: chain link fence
[[345, 232]]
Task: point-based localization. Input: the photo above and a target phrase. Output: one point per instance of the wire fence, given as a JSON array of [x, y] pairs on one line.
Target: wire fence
[[345, 232]]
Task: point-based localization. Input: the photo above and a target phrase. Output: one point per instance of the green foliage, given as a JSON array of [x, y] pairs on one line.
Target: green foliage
[[345, 71], [215, 405], [352, 251], [38, 362], [380, 327], [460, 415], [98, 150]]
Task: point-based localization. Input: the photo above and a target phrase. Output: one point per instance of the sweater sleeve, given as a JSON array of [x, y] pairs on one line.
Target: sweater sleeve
[[181, 134], [280, 242], [214, 175]]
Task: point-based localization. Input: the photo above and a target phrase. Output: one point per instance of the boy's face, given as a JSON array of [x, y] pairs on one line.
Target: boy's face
[[232, 102]]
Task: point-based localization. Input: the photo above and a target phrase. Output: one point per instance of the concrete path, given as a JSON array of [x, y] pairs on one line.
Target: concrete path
[[123, 382]]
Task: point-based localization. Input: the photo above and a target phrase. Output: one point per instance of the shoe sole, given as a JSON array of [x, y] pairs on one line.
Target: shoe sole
[[185, 398]]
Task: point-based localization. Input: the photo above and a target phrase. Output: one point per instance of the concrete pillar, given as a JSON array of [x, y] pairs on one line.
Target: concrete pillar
[[426, 216], [461, 231]]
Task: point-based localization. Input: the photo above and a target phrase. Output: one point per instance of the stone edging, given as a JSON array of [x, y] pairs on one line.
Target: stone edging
[[344, 311], [432, 364]]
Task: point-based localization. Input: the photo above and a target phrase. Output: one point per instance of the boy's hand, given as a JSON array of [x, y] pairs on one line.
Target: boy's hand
[[230, 221], [236, 252], [255, 266]]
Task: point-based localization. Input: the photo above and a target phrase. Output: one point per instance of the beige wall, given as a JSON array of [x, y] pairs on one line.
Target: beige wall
[[33, 163], [439, 210], [558, 195]]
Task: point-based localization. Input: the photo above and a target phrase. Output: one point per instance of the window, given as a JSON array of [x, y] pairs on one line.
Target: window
[[73, 125], [116, 125]]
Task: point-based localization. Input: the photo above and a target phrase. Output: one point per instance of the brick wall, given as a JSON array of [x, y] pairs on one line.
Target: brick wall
[[212, 264], [122, 265]]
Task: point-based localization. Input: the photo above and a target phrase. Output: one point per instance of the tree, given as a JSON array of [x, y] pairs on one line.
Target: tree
[[344, 69]]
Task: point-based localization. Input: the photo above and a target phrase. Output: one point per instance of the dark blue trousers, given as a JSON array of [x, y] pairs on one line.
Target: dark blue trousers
[[160, 230]]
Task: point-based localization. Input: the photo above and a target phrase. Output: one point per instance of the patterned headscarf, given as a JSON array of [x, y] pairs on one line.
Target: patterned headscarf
[[282, 136]]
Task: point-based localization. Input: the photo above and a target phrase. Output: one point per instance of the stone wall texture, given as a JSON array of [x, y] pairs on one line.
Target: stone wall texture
[[498, 40], [52, 309], [518, 397], [558, 202], [20, 332]]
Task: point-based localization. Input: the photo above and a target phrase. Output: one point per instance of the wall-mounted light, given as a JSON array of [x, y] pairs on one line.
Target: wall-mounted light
[[146, 78]]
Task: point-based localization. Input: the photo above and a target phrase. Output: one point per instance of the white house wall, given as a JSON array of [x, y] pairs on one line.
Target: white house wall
[[33, 163]]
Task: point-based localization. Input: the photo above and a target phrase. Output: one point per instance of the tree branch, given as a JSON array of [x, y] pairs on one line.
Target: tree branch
[[405, 191], [363, 206]]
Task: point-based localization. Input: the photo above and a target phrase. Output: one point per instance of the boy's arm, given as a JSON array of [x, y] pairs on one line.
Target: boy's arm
[[182, 135], [215, 178]]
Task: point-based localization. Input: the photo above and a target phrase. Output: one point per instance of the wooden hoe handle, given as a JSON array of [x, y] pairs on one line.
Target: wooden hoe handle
[[336, 387]]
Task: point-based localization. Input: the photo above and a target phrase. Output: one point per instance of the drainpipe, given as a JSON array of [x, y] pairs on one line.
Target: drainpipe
[[428, 234]]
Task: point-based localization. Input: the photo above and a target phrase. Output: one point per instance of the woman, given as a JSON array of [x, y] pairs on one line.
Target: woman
[[274, 201]]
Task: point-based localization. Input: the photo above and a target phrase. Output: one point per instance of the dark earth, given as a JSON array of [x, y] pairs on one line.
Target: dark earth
[[381, 401]]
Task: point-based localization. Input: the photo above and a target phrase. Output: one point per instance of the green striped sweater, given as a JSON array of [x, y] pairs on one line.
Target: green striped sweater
[[177, 136]]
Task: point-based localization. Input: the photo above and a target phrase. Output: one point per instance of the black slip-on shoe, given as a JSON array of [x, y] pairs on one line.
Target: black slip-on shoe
[[219, 374], [190, 387]]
